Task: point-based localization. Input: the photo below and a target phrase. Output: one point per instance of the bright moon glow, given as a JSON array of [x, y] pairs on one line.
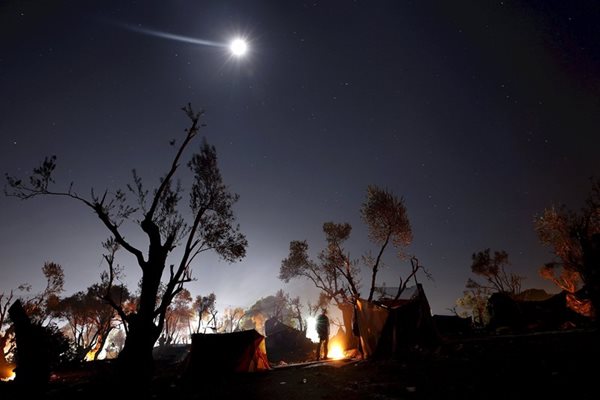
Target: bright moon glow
[[238, 47]]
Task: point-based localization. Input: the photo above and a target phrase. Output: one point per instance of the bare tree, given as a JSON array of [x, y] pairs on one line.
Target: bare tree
[[211, 228]]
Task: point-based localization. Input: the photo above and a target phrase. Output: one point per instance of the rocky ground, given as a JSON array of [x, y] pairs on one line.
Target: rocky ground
[[551, 365]]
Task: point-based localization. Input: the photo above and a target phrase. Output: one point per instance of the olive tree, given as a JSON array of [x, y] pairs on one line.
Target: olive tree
[[335, 273], [574, 238], [211, 227]]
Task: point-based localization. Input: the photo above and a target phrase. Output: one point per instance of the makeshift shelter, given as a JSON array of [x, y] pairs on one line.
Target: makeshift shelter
[[552, 313], [387, 327], [242, 351]]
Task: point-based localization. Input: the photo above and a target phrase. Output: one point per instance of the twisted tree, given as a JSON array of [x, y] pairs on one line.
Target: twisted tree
[[212, 227]]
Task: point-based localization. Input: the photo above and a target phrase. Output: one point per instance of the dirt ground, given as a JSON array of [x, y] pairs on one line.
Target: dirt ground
[[552, 365]]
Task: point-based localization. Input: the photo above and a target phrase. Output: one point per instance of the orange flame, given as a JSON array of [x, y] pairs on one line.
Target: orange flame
[[7, 375], [335, 351]]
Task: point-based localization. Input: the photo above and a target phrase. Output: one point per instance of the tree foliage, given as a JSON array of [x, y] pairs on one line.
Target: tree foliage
[[278, 306], [89, 318], [387, 219], [474, 301], [39, 309], [232, 318], [575, 240], [335, 273], [178, 319], [493, 269], [206, 309], [41, 306]]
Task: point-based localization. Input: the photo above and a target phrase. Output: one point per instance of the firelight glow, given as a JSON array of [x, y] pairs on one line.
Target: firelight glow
[[9, 377], [238, 47], [335, 351]]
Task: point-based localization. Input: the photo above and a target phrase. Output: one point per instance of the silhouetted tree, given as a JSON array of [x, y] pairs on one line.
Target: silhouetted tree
[[40, 307], [205, 306], [387, 220], [492, 268], [497, 280], [336, 274], [575, 240], [211, 228], [33, 356], [111, 288]]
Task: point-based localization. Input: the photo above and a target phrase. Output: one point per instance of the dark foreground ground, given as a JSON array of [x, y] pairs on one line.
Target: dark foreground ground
[[554, 365]]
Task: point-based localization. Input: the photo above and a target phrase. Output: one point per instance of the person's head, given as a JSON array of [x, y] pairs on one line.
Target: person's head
[[323, 311]]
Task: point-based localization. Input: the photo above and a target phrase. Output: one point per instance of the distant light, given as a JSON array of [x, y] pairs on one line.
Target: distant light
[[311, 329], [238, 47], [335, 351]]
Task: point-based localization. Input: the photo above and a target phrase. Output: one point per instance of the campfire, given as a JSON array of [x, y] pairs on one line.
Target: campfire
[[335, 351], [7, 374]]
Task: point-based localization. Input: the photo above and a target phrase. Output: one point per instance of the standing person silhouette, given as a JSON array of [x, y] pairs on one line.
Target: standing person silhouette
[[323, 332]]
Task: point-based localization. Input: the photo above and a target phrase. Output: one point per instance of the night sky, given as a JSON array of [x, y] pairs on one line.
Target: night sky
[[479, 113]]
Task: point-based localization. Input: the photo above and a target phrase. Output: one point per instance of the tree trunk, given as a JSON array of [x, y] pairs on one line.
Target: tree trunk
[[32, 358], [102, 337], [135, 360]]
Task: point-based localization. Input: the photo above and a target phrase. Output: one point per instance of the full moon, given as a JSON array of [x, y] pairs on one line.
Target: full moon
[[238, 47]]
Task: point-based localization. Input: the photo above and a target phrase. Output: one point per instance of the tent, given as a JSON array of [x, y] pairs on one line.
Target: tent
[[242, 351], [387, 327]]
